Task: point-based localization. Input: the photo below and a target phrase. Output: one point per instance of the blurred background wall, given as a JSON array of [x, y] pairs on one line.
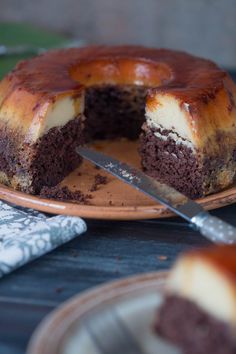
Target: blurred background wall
[[203, 27]]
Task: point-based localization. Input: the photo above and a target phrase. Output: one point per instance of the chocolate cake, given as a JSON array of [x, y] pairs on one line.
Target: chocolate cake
[[184, 106], [199, 310]]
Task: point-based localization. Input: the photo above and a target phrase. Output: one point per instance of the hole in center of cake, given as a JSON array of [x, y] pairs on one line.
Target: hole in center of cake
[[114, 111], [115, 94]]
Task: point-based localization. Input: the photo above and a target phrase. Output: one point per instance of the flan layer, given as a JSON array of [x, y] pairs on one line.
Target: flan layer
[[194, 114], [32, 115], [208, 278], [185, 89]]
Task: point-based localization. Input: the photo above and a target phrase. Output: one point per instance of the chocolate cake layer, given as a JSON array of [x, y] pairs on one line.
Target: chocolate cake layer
[[176, 163], [44, 163], [114, 111], [173, 164], [194, 331]]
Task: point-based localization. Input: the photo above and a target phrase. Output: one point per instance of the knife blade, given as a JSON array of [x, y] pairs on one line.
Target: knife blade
[[209, 226]]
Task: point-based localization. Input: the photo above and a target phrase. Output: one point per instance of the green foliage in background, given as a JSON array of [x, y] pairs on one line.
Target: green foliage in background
[[21, 34]]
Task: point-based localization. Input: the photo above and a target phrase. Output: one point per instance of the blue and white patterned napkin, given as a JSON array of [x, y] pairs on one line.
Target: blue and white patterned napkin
[[26, 234]]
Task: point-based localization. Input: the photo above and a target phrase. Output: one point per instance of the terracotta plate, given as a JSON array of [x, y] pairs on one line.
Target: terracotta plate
[[115, 200], [115, 318]]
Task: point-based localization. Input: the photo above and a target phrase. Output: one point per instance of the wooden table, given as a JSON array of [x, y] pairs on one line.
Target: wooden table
[[108, 251]]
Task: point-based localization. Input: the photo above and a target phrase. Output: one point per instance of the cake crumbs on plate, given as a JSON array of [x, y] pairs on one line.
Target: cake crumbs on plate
[[65, 194], [99, 180], [74, 253], [162, 258], [59, 290]]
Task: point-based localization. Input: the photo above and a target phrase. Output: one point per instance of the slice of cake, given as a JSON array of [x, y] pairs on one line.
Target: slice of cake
[[199, 310]]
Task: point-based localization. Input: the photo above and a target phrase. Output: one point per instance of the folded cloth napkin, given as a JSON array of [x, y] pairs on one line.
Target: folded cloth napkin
[[26, 234]]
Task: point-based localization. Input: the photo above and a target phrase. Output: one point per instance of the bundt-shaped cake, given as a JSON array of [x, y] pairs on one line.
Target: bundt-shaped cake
[[184, 106], [199, 310]]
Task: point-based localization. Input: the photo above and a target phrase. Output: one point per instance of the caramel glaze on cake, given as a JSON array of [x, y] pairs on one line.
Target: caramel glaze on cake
[[185, 104], [199, 310]]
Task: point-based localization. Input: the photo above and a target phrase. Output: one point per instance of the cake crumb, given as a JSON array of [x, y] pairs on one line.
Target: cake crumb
[[64, 194], [99, 180], [59, 290], [162, 258], [74, 253]]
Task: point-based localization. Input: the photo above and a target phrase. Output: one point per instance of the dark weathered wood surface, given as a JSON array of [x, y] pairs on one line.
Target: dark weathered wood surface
[[108, 251]]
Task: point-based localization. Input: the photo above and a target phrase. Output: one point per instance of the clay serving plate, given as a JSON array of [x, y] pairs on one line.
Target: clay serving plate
[[114, 200]]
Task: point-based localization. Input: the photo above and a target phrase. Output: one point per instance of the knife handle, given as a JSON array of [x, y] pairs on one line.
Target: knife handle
[[214, 229]]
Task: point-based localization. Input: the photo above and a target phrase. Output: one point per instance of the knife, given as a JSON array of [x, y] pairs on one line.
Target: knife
[[209, 226]]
